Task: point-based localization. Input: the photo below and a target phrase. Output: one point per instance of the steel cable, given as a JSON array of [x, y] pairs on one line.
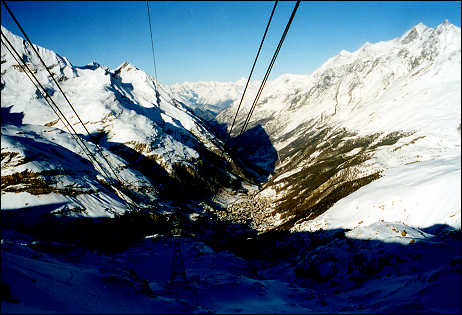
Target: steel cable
[[49, 99], [253, 66], [269, 68], [59, 87], [152, 46], [67, 100]]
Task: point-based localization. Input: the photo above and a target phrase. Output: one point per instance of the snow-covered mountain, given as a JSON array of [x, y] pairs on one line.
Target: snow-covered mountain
[[385, 118], [154, 143], [360, 120]]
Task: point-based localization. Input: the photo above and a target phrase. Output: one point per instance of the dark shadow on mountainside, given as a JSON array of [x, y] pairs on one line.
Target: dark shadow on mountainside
[[7, 117]]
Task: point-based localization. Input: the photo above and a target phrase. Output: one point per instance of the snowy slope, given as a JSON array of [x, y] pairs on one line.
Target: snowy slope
[[43, 169], [365, 118]]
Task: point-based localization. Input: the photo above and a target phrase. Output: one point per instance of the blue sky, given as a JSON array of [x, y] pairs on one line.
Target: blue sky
[[202, 41]]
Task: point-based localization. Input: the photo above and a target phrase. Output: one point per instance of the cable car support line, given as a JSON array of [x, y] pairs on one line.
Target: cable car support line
[[253, 66], [269, 68]]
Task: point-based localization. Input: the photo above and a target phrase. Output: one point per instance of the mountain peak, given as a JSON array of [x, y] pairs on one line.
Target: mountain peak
[[445, 26], [126, 66], [366, 45], [420, 27], [413, 33]]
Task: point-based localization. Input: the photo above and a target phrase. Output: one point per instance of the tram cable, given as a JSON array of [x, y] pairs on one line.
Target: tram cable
[[253, 67], [262, 85], [65, 97], [152, 46], [43, 91]]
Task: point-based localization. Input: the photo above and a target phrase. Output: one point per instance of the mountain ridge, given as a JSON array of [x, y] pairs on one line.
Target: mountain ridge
[[139, 128], [378, 108]]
